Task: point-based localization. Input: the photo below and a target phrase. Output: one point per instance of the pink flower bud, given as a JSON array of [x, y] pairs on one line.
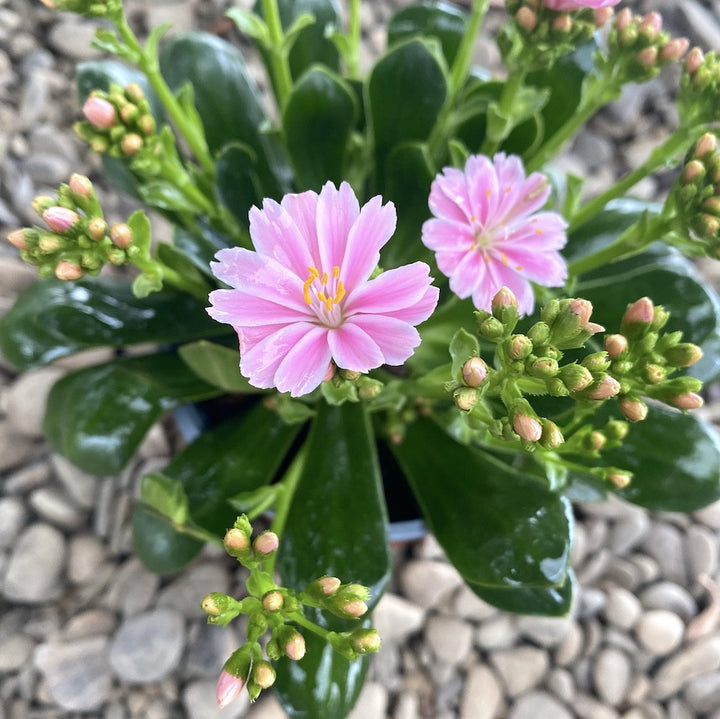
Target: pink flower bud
[[583, 309], [527, 428], [694, 60], [526, 18], [329, 585], [330, 373], [563, 23], [97, 227], [634, 410], [295, 647], [81, 185], [67, 271], [615, 345], [273, 600], [619, 479], [236, 540], [647, 57], [263, 674], [689, 400], [355, 608], [474, 372], [651, 25], [49, 3], [624, 19], [134, 92], [17, 238], [596, 440], [121, 235], [266, 543], [99, 112], [505, 297], [602, 15], [228, 689], [131, 143], [606, 388], [60, 219], [642, 311], [693, 170], [674, 49], [706, 145]]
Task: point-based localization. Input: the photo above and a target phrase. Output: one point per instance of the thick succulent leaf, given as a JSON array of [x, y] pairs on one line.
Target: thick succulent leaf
[[441, 20], [406, 91], [217, 365], [317, 120], [226, 98], [237, 180], [53, 319], [499, 528], [97, 416]]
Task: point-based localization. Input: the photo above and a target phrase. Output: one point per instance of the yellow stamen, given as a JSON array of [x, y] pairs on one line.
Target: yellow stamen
[[539, 232], [504, 258], [328, 304], [313, 272], [518, 267], [322, 297], [324, 279], [339, 292], [487, 194], [336, 272]]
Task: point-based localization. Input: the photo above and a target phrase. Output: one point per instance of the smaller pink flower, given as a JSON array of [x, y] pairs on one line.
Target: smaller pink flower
[[578, 4], [487, 232]]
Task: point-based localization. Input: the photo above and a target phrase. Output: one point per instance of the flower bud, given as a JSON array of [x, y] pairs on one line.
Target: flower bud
[[576, 377], [694, 60], [544, 368], [602, 15], [539, 334], [654, 373], [68, 271], [604, 389], [526, 18], [694, 170], [563, 23], [648, 56], [520, 347], [97, 227], [121, 235], [594, 328], [504, 298], [640, 312], [263, 674], [551, 437], [583, 309], [365, 641], [368, 388], [295, 646], [81, 185], [147, 125], [50, 243], [266, 543], [595, 441], [214, 604], [60, 219], [49, 3], [465, 398], [323, 587], [596, 362], [683, 354], [650, 25], [131, 143], [616, 430], [527, 428], [615, 345], [624, 19], [99, 112], [236, 542], [229, 688], [349, 374], [634, 409], [42, 203], [674, 49], [474, 372], [491, 329], [273, 600], [689, 400], [619, 479], [129, 113], [706, 146], [17, 238]]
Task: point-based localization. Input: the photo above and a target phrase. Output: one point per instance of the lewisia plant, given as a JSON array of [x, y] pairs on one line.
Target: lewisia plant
[[381, 302]]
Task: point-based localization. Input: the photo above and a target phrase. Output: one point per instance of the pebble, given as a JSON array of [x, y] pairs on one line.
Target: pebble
[[700, 658], [520, 668], [185, 592], [561, 683], [426, 582], [546, 631], [133, 588], [396, 618], [36, 565], [86, 554], [14, 447], [267, 707], [482, 694], [670, 596], [666, 544], [15, 650], [569, 649], [81, 487], [53, 505], [208, 648], [702, 550], [449, 637], [12, 518], [147, 647], [660, 632], [76, 672], [703, 693], [372, 702], [622, 608], [497, 633], [538, 705], [612, 672]]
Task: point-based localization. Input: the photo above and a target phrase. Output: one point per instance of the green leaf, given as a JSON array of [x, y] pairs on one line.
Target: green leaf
[[165, 495], [675, 461], [317, 121], [166, 196], [226, 99], [348, 538], [217, 365], [463, 346], [97, 417], [237, 180], [161, 546], [53, 319], [200, 247], [441, 20], [251, 25], [550, 601], [407, 89], [499, 528], [239, 455]]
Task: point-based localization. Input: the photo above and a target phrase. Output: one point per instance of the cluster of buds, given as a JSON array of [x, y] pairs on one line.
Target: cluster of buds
[[277, 609], [77, 240], [345, 384], [88, 8], [699, 88], [638, 46], [548, 33], [694, 202], [642, 360], [119, 123]]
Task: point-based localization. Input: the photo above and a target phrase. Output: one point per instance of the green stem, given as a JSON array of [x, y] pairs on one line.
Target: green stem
[[305, 623], [495, 136], [678, 143], [353, 59], [278, 56], [150, 67]]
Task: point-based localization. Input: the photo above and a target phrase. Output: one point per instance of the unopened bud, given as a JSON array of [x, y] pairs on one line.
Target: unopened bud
[[616, 430], [263, 674], [99, 112], [504, 297], [121, 235], [583, 309], [129, 113], [491, 329], [42, 203], [214, 604], [615, 345], [563, 23], [596, 362], [266, 543], [694, 170], [365, 641], [520, 347], [81, 185], [694, 60], [648, 56], [273, 600], [607, 387], [134, 92], [527, 428], [147, 125], [17, 238], [624, 19], [355, 608], [544, 368], [602, 15], [474, 372], [295, 647], [551, 437], [49, 3], [97, 227], [131, 143], [236, 541], [595, 441], [654, 373], [689, 400], [465, 398], [576, 377], [674, 49], [368, 388], [60, 219], [641, 311], [683, 354], [651, 25], [619, 479], [50, 243], [68, 271], [594, 328], [635, 410], [229, 688], [328, 585], [526, 18]]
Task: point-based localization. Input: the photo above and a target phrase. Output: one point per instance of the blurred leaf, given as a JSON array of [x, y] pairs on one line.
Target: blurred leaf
[[217, 365], [165, 495], [237, 180], [463, 346]]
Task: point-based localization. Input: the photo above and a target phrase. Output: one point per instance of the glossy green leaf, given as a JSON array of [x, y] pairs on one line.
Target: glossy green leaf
[[217, 365], [161, 546], [226, 98], [165, 495], [97, 417], [239, 455], [199, 247], [499, 528], [675, 461], [53, 319], [545, 601], [463, 346], [317, 121], [237, 180], [407, 89], [340, 463], [441, 20], [409, 172], [165, 195]]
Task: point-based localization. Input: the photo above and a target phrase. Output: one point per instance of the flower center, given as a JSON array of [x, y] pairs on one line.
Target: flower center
[[487, 242], [324, 293]]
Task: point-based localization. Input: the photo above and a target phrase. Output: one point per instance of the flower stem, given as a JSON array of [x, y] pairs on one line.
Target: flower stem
[[305, 623], [496, 135], [278, 56], [353, 59], [679, 142]]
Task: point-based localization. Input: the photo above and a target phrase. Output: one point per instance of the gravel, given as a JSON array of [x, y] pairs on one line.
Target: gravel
[[86, 631]]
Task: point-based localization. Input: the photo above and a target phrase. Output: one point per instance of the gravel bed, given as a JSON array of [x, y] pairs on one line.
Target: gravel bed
[[86, 631]]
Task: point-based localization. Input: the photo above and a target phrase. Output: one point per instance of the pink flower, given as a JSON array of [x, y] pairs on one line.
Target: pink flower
[[578, 4], [486, 232], [304, 297]]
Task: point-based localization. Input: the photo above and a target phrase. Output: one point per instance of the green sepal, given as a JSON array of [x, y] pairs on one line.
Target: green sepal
[[520, 532], [97, 416], [463, 346]]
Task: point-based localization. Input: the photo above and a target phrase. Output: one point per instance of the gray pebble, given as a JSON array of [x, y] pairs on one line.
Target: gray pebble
[[88, 623], [80, 486], [185, 592], [670, 596], [267, 707], [396, 618], [588, 707], [611, 675], [546, 631], [22, 480], [561, 683], [147, 647], [133, 588], [622, 608], [427, 583], [407, 706], [14, 447], [449, 637], [702, 548], [497, 633], [208, 648], [53, 505], [12, 518], [699, 658], [520, 668], [538, 705], [571, 646], [482, 694], [372, 702], [703, 693], [666, 544], [660, 631], [86, 554], [15, 651]]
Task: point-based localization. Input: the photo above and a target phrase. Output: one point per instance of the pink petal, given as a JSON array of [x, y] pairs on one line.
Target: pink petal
[[500, 275], [305, 365], [372, 229], [302, 207], [421, 310], [449, 196], [354, 349], [468, 274], [241, 309], [539, 233], [442, 234], [483, 189], [391, 290], [395, 338], [337, 210], [545, 268]]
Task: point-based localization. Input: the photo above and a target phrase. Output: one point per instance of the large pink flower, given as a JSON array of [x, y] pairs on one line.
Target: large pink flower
[[304, 297], [487, 233], [578, 4]]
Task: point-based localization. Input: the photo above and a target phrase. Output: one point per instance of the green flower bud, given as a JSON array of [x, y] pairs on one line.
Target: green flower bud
[[236, 542], [575, 377], [519, 347], [683, 354], [619, 479], [654, 373], [539, 334], [616, 430], [465, 398], [596, 362], [595, 441], [365, 641], [633, 408], [491, 329], [544, 368], [551, 437]]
